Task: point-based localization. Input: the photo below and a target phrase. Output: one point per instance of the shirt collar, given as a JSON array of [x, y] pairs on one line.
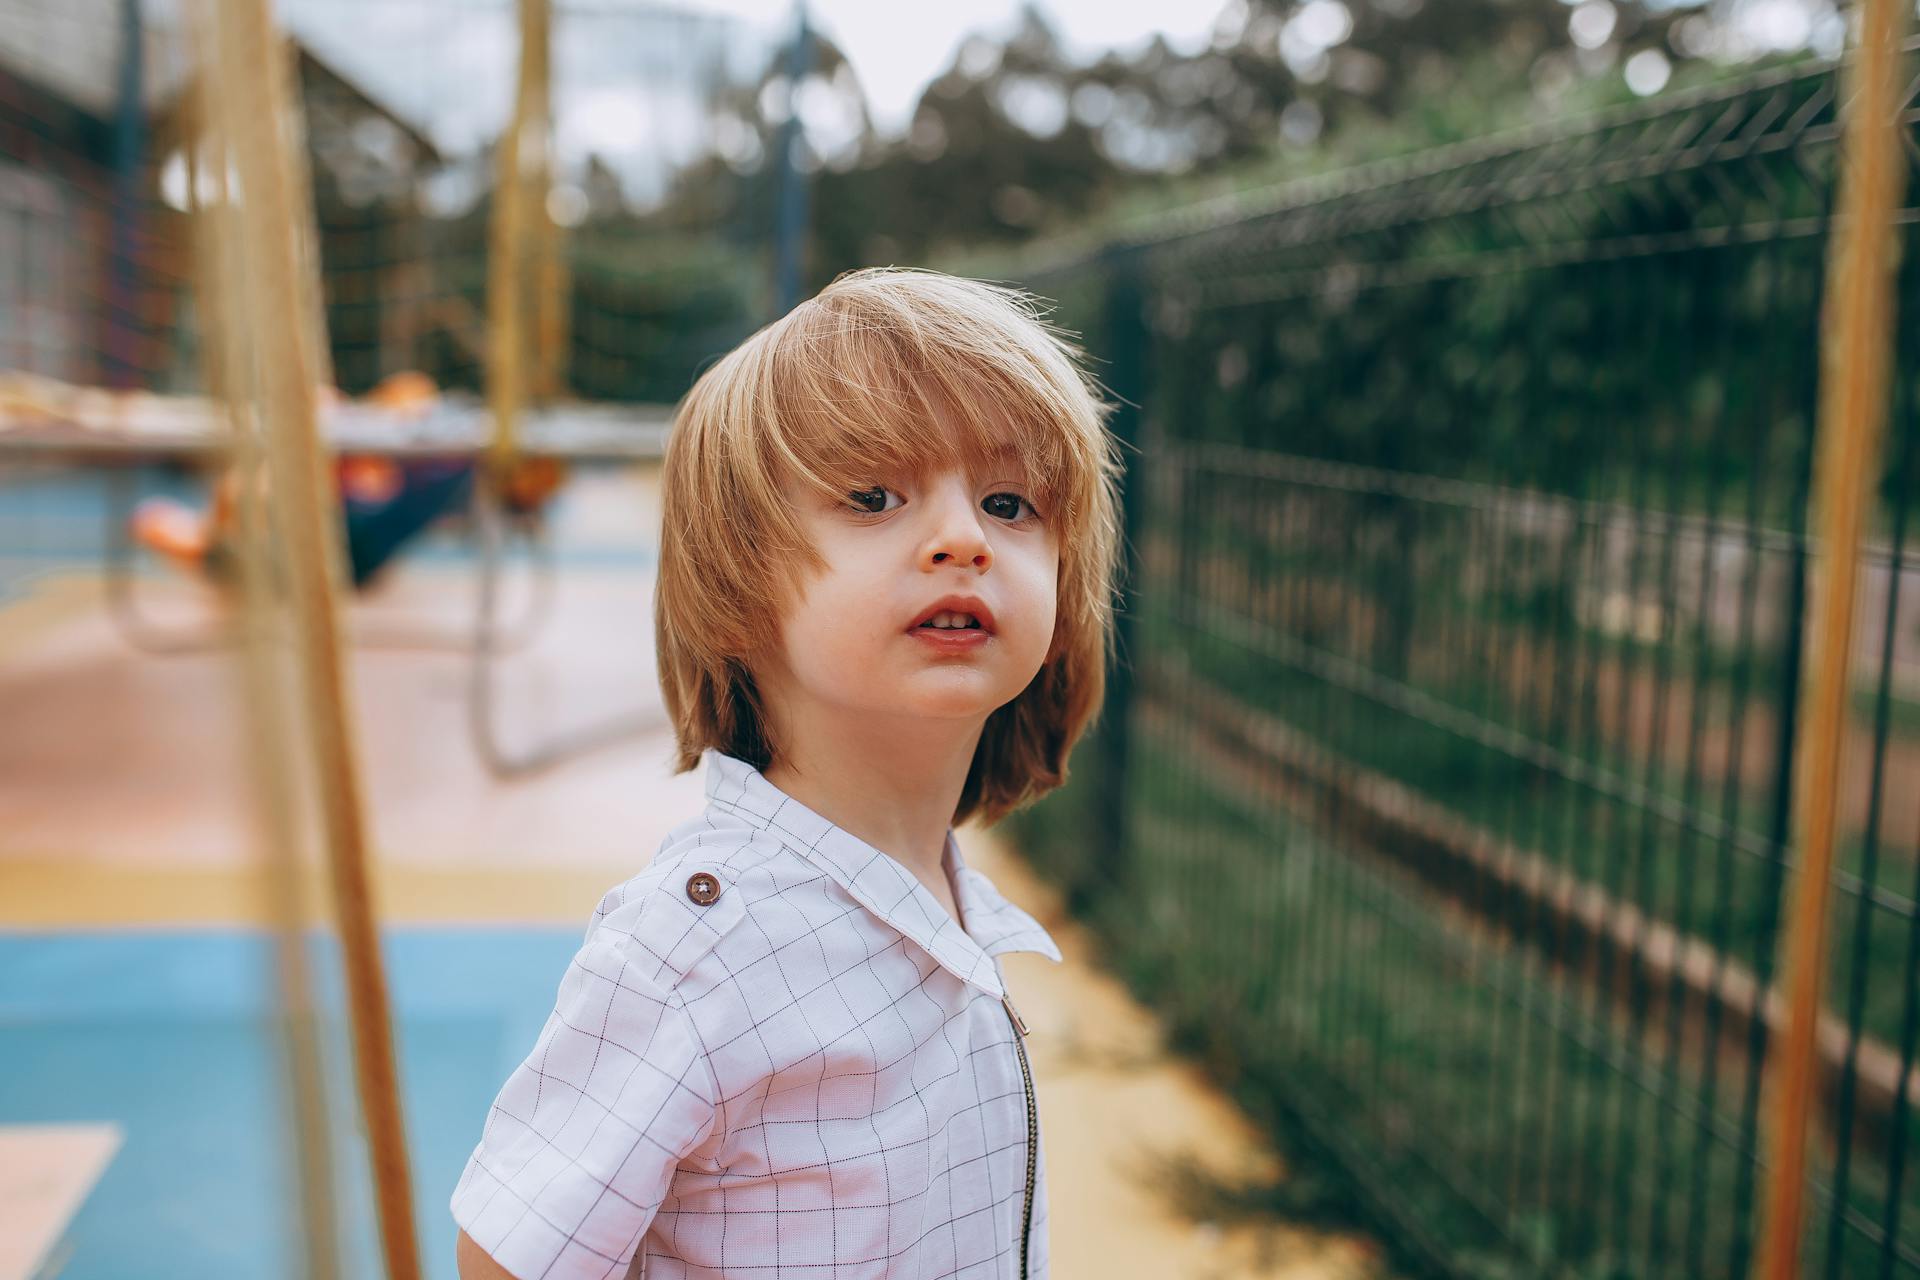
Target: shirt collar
[[885, 887]]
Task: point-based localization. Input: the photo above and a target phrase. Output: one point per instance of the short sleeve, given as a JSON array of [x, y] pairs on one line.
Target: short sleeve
[[581, 1143]]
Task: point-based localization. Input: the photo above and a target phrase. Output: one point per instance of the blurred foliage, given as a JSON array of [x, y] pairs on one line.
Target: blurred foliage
[[677, 298], [1016, 141], [1014, 154]]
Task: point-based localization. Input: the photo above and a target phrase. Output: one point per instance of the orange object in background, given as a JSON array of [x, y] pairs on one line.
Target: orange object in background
[[367, 483], [177, 532], [531, 481], [369, 478], [173, 530], [409, 393]]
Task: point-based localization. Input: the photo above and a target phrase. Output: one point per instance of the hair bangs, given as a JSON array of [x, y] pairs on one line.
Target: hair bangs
[[856, 406]]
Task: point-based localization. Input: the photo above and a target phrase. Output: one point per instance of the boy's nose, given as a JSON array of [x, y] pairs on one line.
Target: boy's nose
[[980, 559], [960, 546], [955, 536]]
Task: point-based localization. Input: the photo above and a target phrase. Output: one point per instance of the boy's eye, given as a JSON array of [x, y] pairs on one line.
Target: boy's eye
[[1007, 506], [872, 501]]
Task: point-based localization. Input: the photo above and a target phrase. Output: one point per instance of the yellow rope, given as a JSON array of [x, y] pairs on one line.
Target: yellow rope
[[274, 318], [1856, 333], [229, 357]]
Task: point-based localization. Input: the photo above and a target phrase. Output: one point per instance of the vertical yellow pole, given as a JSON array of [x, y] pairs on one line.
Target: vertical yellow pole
[[307, 229], [200, 144], [1856, 335], [303, 517], [524, 162], [550, 275], [555, 282]]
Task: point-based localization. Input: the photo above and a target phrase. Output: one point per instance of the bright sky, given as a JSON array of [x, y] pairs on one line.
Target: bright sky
[[627, 78], [897, 46]]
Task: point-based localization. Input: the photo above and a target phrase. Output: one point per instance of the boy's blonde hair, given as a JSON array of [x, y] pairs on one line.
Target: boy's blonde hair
[[842, 393]]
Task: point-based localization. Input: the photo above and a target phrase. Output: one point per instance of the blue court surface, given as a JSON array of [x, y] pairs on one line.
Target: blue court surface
[[170, 1035]]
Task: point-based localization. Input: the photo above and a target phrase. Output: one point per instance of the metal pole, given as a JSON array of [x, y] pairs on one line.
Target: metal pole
[[123, 331], [790, 229], [1128, 344]]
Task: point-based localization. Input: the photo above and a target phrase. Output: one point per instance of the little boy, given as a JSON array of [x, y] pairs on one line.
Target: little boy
[[786, 1049]]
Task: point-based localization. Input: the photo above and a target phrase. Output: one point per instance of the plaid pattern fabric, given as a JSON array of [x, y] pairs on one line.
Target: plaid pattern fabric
[[812, 1075]]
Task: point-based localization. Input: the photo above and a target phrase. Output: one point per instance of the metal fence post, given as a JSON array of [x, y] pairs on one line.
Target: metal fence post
[[1127, 345], [126, 309], [791, 215]]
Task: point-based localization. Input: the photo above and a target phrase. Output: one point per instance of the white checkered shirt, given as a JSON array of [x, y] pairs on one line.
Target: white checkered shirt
[[814, 1074]]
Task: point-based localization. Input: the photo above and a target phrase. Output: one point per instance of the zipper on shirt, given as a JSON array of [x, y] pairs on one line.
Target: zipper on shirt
[[1033, 1128]]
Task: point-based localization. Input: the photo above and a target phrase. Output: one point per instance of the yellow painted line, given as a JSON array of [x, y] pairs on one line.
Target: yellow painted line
[[57, 893]]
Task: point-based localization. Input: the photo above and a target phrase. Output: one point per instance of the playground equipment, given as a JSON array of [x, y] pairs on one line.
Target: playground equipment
[[391, 280], [206, 332], [49, 422], [118, 432]]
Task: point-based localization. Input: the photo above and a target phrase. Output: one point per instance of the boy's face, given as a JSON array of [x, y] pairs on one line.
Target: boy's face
[[852, 644]]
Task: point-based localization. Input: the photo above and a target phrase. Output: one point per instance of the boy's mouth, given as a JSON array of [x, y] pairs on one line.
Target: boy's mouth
[[955, 613], [967, 637]]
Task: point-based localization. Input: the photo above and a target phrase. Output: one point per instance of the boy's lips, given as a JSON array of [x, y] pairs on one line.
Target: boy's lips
[[952, 639], [956, 604]]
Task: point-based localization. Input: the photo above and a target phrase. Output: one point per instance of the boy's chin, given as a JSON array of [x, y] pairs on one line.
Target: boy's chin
[[956, 700]]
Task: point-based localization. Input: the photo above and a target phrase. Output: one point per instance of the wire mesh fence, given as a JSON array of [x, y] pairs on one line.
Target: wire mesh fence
[[102, 159], [1445, 806]]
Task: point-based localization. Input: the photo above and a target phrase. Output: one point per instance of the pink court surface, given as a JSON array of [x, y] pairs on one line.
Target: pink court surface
[[138, 1078]]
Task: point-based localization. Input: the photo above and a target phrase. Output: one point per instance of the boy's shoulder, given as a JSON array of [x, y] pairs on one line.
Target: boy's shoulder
[[712, 874]]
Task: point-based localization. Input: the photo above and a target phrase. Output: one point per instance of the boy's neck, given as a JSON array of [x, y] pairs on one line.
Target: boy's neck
[[896, 790]]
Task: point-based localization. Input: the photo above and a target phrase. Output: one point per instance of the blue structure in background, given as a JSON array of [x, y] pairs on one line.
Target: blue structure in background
[[792, 214]]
